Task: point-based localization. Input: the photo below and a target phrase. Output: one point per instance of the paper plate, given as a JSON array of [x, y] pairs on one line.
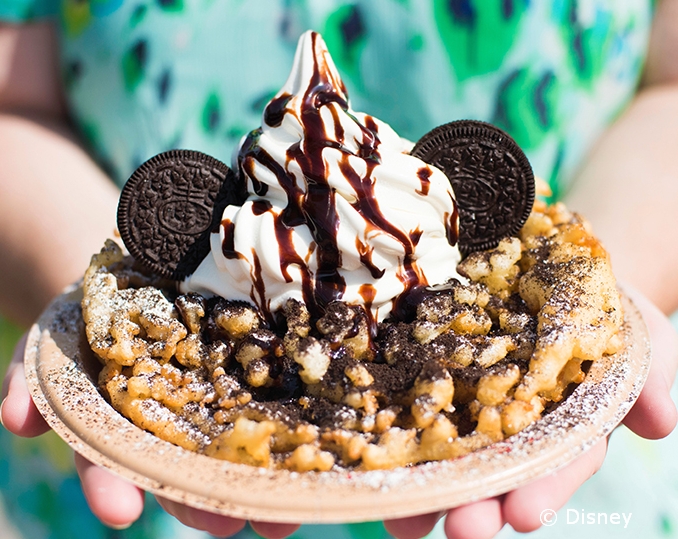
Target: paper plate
[[61, 372]]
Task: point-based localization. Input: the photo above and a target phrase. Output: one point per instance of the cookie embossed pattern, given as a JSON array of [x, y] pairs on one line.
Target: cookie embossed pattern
[[488, 172], [329, 355], [167, 210]]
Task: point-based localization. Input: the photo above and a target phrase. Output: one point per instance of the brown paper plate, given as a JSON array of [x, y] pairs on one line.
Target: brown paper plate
[[61, 373]]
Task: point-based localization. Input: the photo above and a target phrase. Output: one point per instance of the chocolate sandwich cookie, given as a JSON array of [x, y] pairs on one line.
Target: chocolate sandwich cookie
[[491, 177], [169, 207]]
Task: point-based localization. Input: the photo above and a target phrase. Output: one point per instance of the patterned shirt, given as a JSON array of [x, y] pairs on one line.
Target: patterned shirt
[[144, 76]]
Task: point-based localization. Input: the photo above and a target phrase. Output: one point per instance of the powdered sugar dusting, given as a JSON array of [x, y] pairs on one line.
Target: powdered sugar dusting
[[62, 380]]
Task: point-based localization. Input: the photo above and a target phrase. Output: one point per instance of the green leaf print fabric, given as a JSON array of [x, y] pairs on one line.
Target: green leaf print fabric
[[464, 28], [144, 76], [15, 11]]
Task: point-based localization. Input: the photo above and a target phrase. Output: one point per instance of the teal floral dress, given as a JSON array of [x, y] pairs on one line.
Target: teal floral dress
[[144, 76]]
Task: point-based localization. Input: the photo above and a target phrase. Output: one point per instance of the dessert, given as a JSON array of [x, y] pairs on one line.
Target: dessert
[[333, 322]]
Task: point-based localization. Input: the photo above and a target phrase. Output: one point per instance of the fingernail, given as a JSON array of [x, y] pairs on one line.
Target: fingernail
[[2, 404], [119, 527]]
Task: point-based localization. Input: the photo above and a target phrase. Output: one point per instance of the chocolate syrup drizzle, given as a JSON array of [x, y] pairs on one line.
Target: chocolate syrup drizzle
[[316, 206]]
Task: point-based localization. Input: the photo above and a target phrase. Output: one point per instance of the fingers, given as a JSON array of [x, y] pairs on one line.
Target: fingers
[[18, 413], [653, 416], [271, 530], [654, 413], [479, 520], [217, 525], [412, 527], [113, 500], [523, 507], [220, 525]]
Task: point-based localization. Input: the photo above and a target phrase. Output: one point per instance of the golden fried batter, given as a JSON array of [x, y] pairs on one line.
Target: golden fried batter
[[478, 362]]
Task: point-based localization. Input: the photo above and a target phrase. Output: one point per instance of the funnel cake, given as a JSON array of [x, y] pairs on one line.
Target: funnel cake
[[325, 317], [469, 365], [63, 374]]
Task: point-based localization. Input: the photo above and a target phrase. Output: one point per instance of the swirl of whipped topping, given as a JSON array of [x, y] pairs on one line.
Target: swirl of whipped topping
[[338, 209]]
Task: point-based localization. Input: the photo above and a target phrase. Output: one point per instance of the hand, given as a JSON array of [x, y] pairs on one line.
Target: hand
[[653, 416], [113, 500]]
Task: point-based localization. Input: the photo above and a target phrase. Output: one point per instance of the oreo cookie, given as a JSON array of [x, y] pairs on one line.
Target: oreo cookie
[[170, 206], [491, 177]]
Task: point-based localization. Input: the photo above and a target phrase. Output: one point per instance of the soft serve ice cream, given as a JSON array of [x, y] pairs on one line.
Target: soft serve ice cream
[[337, 208]]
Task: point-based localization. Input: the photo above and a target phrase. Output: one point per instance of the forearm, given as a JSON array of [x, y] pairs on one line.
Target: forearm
[[56, 209], [628, 189]]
